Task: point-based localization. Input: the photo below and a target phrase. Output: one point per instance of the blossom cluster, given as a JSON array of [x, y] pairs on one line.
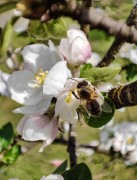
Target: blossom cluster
[[48, 74], [123, 139]]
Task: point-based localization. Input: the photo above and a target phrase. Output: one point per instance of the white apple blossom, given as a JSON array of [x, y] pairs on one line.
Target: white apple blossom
[[42, 63], [125, 50], [39, 127], [52, 177], [68, 101], [128, 51], [75, 49], [122, 137]]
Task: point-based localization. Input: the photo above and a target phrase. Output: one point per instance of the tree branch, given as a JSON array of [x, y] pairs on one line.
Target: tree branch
[[89, 16], [85, 27], [124, 96], [119, 41], [99, 21]]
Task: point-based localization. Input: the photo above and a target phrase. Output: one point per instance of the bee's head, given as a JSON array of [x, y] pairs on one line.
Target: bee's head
[[82, 84]]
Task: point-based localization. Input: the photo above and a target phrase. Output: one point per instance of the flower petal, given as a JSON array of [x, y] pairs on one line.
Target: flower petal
[[64, 48], [76, 48], [3, 84], [21, 125], [22, 88], [133, 56], [35, 128], [36, 109], [67, 111], [40, 56], [56, 79], [73, 33], [55, 55], [53, 134], [83, 51], [21, 25]]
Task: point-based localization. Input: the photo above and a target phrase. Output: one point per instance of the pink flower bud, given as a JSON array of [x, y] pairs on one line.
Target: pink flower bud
[[75, 48]]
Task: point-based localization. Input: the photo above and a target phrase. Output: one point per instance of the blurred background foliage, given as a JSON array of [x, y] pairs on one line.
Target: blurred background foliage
[[32, 165]]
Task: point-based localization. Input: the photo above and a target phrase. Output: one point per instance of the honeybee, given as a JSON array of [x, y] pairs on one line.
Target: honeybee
[[91, 100]]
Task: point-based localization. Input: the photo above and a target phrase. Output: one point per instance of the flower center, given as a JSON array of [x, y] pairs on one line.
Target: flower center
[[40, 77], [130, 140], [69, 97], [71, 94]]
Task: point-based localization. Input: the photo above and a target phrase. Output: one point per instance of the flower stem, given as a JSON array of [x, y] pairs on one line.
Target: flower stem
[[72, 146]]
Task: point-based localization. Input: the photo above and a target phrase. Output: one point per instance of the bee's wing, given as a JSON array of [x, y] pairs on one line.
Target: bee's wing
[[106, 107]]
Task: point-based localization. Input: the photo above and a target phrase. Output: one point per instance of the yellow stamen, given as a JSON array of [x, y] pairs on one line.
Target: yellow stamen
[[68, 98], [130, 140], [40, 77]]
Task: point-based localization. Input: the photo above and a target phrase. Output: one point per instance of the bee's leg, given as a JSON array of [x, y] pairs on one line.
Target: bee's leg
[[75, 95], [80, 116]]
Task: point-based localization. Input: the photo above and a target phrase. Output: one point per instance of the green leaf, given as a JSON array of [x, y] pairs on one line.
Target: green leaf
[[99, 74], [6, 37], [8, 6], [103, 119], [85, 67], [6, 134], [61, 168], [56, 28], [78, 172], [131, 72], [37, 30], [11, 155]]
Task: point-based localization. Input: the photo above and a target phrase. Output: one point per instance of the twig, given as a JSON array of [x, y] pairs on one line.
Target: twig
[[96, 148], [72, 146], [88, 16], [100, 21], [119, 41]]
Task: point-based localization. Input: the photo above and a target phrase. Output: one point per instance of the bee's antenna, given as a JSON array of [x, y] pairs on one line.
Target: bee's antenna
[[74, 79]]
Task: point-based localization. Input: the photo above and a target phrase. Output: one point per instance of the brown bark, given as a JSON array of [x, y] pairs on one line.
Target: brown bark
[[72, 146], [99, 21], [119, 41], [124, 96]]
